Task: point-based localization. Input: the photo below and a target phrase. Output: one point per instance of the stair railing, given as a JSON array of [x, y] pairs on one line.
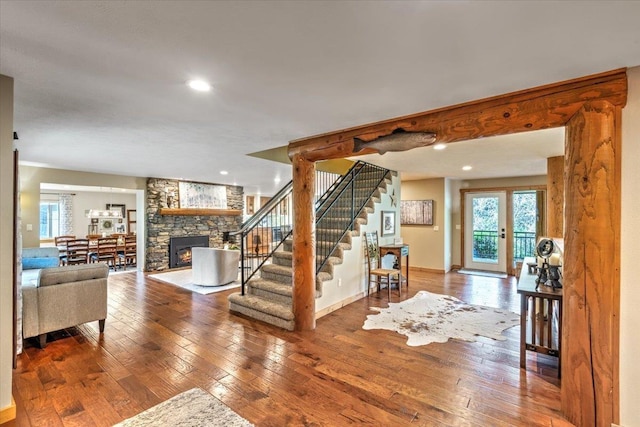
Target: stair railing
[[337, 212], [262, 234]]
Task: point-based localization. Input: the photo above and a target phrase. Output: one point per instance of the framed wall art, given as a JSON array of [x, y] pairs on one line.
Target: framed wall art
[[416, 212], [200, 195], [388, 223]]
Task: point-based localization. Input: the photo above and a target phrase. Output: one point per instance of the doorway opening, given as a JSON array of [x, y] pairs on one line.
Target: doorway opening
[[501, 227], [486, 248]]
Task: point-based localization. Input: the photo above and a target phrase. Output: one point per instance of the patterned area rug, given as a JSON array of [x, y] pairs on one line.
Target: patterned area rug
[[184, 279], [428, 318], [193, 408]]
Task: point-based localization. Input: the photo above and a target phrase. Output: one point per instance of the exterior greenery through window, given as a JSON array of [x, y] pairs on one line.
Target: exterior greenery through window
[[525, 218], [485, 226], [49, 219]]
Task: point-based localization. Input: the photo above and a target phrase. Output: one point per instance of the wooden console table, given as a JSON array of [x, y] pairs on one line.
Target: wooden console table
[[399, 251], [541, 308]]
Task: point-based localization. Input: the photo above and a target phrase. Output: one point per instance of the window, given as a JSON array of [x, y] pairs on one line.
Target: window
[[525, 220], [49, 219]]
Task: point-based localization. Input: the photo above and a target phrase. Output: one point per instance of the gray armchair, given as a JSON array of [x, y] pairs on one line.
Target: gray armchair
[[63, 297]]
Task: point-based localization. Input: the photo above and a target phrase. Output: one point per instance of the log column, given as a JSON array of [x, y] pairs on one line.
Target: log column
[[555, 196], [591, 305], [304, 244]]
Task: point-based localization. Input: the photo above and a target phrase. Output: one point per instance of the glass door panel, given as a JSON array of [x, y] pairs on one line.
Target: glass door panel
[[485, 231]]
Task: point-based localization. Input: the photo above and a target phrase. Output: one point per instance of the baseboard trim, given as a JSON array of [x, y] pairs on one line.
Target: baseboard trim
[[9, 413], [339, 304], [427, 270]]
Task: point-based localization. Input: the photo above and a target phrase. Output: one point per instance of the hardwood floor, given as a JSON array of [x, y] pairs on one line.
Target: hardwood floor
[[161, 340]]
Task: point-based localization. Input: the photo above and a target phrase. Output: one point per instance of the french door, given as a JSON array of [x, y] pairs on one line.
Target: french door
[[485, 231]]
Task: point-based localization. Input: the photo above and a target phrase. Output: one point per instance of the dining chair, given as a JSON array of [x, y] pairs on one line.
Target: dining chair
[[127, 253], [376, 274], [106, 250], [77, 251], [61, 244]]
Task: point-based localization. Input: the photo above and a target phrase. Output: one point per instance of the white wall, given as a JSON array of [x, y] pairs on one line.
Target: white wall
[[96, 200], [6, 240], [629, 256], [349, 278]]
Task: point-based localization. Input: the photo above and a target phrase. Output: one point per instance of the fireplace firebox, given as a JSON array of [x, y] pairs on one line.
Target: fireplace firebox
[[180, 249]]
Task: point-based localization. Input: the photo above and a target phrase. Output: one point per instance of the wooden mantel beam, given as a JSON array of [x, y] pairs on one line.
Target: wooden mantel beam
[[532, 109]]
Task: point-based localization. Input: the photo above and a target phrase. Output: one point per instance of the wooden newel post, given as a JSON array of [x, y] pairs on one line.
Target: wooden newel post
[[591, 307], [304, 244]]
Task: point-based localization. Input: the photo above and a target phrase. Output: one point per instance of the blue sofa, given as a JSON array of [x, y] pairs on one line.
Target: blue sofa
[[36, 258]]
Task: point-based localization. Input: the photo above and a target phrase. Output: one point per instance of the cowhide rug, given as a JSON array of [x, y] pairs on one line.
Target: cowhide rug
[[428, 318]]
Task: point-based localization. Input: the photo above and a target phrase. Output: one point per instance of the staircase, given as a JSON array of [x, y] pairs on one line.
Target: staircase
[[268, 298]]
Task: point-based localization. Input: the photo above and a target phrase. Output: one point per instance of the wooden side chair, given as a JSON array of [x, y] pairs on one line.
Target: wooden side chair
[[106, 251], [77, 251], [61, 244], [128, 254], [375, 273]]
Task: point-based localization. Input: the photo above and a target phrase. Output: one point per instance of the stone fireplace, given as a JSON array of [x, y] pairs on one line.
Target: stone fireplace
[[180, 249], [162, 229]]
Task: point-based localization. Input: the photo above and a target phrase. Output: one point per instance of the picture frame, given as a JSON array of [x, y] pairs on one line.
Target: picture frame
[[250, 205], [416, 212], [201, 195], [115, 207], [388, 223]]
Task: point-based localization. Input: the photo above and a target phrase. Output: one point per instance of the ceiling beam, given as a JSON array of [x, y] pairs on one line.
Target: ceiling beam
[[531, 109]]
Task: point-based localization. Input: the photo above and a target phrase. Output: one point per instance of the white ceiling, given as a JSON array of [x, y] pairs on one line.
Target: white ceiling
[[99, 86]]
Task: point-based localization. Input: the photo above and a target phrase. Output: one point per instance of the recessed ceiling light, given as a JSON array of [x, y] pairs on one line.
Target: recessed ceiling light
[[224, 173], [199, 85], [440, 146], [467, 168], [277, 180]]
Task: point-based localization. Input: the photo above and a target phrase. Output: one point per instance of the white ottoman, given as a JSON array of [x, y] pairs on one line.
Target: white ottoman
[[213, 266]]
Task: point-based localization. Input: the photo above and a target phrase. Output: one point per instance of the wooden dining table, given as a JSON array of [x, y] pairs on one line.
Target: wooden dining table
[[93, 243]]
